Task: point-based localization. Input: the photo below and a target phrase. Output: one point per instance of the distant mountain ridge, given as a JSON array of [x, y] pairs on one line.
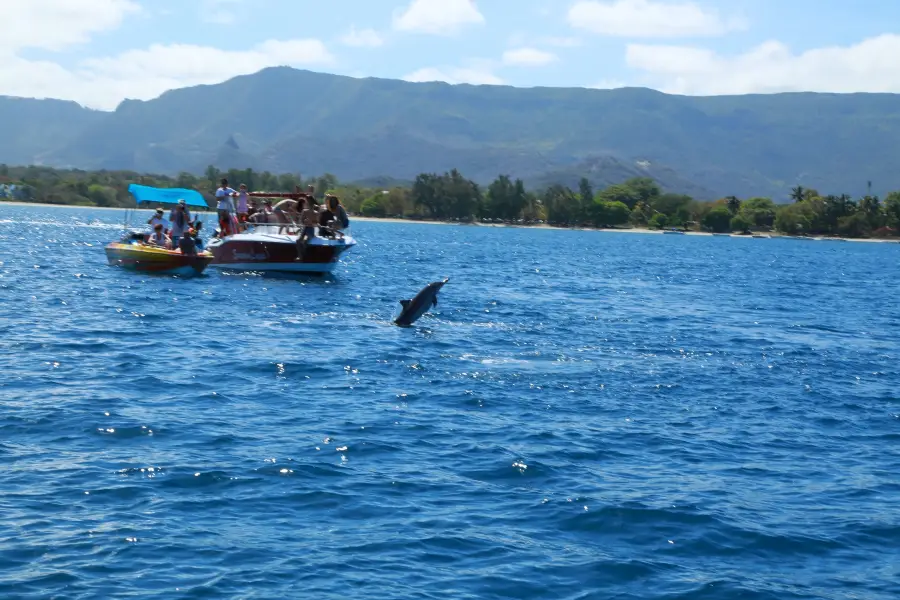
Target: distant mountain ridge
[[287, 120]]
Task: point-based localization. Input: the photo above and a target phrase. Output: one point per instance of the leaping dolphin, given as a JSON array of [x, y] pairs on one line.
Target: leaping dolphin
[[418, 306]]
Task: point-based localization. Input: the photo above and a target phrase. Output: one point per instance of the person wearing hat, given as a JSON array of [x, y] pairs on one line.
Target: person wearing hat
[[158, 219], [180, 218]]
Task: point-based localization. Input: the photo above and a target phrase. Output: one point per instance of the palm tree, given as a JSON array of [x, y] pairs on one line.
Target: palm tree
[[733, 204], [798, 194]]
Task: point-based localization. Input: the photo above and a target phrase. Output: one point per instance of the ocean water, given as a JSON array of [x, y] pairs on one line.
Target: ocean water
[[584, 415]]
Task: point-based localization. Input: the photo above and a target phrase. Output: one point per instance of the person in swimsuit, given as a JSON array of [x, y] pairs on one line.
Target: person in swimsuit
[[309, 218]]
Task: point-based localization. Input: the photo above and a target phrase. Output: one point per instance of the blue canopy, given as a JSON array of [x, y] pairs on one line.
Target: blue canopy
[[145, 193]]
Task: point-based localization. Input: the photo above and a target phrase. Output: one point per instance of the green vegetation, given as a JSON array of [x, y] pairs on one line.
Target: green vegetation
[[636, 202], [45, 185], [812, 213]]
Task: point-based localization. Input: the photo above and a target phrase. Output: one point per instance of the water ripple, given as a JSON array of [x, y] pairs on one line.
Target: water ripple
[[584, 415]]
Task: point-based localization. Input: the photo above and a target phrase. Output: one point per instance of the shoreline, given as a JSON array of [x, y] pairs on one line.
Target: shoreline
[[638, 230]]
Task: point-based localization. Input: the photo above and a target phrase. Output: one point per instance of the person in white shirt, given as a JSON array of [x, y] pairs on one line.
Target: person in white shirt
[[225, 206], [157, 219]]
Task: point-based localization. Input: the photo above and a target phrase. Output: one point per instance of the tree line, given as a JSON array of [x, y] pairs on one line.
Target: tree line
[[46, 185], [637, 202]]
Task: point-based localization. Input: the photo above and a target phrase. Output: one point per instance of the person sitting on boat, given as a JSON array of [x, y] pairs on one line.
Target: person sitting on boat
[[225, 206], [186, 243], [180, 217], [159, 237], [327, 218], [286, 212], [195, 233], [158, 219], [334, 213], [261, 214], [309, 218], [342, 214]]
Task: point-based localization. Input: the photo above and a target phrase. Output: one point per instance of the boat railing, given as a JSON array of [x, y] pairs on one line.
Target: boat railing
[[274, 228]]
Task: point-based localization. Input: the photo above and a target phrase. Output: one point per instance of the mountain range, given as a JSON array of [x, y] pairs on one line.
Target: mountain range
[[287, 120]]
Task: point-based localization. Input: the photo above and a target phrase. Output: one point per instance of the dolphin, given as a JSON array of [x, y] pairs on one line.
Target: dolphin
[[418, 306]]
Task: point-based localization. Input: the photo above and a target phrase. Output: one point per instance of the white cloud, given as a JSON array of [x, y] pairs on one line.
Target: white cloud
[[219, 12], [220, 17], [438, 17], [471, 75], [362, 38], [561, 42], [608, 84], [869, 66], [144, 74], [649, 18], [58, 24], [528, 57], [523, 39]]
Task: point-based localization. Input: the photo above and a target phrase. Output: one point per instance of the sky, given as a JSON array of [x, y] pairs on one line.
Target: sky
[[100, 52]]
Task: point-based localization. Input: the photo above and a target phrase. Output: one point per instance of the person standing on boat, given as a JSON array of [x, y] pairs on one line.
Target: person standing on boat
[[180, 218], [242, 213], [225, 206], [158, 219]]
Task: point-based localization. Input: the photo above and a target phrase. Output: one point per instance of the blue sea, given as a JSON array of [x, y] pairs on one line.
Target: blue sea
[[583, 415]]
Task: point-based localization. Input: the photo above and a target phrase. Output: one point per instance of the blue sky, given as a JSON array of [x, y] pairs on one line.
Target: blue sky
[[98, 52]]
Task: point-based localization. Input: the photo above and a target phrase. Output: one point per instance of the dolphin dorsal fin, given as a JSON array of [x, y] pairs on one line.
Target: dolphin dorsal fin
[[405, 303]]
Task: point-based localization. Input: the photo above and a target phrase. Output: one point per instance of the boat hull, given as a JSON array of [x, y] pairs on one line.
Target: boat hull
[[269, 251], [146, 259]]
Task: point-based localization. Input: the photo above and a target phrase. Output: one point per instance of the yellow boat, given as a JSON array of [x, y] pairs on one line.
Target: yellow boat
[[132, 254]]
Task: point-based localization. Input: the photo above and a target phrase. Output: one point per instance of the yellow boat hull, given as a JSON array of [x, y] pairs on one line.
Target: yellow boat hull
[[150, 259]]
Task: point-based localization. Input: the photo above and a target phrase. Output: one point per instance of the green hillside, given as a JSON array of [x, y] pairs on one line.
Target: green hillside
[[286, 120]]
